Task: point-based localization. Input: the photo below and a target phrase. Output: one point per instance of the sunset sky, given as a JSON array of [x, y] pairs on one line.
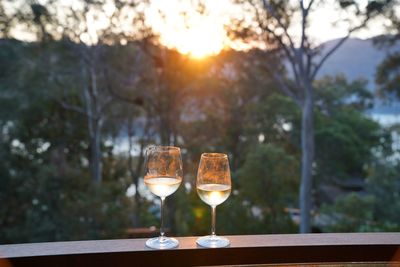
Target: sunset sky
[[199, 35]]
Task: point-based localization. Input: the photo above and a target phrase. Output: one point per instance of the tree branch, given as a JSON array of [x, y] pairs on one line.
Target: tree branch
[[106, 104], [305, 67], [286, 90], [282, 45], [335, 47], [272, 11], [309, 5], [136, 101], [300, 54], [73, 107]]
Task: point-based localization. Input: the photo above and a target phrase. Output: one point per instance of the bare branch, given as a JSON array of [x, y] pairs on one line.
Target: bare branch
[[272, 11], [285, 89], [300, 54], [287, 52], [114, 93], [309, 5], [304, 66], [73, 107], [284, 86], [106, 104], [336, 46], [290, 52]]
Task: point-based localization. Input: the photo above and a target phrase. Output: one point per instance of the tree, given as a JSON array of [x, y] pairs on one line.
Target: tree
[[387, 77], [74, 67], [220, 107], [387, 74], [45, 182], [305, 59], [342, 127], [86, 47], [267, 182], [376, 210]]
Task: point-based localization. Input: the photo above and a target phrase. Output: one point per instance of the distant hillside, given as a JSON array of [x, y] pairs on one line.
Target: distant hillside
[[358, 58], [355, 58]]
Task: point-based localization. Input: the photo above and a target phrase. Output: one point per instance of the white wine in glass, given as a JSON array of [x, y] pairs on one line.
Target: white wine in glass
[[162, 186], [163, 177], [213, 187], [213, 194]]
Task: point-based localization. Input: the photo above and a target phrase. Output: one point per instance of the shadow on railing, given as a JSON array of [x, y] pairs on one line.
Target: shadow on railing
[[373, 249]]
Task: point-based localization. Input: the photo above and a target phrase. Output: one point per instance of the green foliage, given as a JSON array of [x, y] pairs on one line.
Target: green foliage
[[383, 183], [268, 181], [43, 169], [375, 210], [44, 148], [351, 136], [351, 213], [334, 93], [387, 76], [277, 118], [344, 135]]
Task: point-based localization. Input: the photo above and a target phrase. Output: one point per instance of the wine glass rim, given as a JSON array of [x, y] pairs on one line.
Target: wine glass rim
[[165, 148], [214, 155]]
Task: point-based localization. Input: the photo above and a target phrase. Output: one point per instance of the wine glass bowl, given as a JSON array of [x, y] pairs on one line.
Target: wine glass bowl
[[163, 175], [213, 187]]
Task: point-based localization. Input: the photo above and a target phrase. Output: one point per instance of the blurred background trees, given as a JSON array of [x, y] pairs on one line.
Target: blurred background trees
[[81, 101]]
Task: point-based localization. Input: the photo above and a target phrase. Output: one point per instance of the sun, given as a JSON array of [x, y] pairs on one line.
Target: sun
[[197, 41], [187, 30]]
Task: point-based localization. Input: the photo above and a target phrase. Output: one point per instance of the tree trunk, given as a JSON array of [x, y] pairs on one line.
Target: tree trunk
[[95, 124], [307, 158], [95, 153], [135, 174]]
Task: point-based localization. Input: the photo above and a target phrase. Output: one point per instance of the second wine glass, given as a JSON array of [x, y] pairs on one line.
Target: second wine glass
[[163, 177], [214, 187]]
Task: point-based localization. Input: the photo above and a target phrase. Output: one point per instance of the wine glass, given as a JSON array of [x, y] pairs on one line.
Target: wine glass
[[214, 187], [163, 175]]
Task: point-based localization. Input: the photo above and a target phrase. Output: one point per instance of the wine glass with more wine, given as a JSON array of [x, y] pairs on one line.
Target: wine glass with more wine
[[163, 177], [214, 187]]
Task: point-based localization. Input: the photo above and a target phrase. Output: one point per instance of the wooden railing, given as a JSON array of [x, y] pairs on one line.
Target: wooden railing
[[244, 250]]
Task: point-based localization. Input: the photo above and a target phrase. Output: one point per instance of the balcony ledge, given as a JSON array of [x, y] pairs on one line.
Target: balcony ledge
[[244, 249]]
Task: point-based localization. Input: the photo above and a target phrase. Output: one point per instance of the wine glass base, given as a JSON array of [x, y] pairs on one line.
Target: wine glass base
[[162, 242], [213, 241]]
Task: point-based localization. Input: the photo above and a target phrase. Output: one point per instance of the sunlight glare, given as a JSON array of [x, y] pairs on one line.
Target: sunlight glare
[[198, 41], [184, 28]]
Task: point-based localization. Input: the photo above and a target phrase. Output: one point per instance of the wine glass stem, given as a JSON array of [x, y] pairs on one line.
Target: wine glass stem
[[213, 220], [162, 217]]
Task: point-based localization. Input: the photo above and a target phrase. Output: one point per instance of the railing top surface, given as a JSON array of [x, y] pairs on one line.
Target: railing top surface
[[188, 243]]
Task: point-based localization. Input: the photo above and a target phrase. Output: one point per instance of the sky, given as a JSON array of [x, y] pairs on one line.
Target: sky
[[201, 35], [205, 34], [193, 33]]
